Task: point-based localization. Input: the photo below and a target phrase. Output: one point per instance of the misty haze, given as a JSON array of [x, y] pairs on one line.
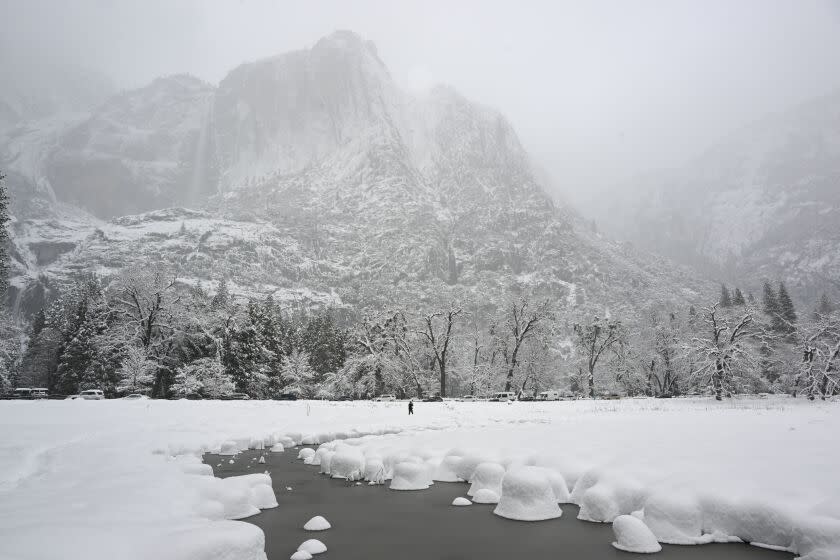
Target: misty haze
[[292, 279]]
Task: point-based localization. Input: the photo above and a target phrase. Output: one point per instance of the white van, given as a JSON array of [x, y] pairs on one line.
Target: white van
[[92, 395], [549, 396], [504, 396]]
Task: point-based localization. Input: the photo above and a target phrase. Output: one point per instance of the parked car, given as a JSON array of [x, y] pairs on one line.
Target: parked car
[[549, 396], [468, 398], [92, 395], [385, 398], [288, 397], [40, 393], [135, 397], [435, 398], [503, 396], [22, 393], [239, 397]]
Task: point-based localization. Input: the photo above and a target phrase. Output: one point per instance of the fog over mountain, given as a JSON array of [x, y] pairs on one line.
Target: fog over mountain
[[598, 91]]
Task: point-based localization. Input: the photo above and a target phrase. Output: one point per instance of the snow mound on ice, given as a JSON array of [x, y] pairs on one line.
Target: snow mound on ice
[[326, 461], [632, 535], [317, 523], [313, 546], [262, 460], [410, 476], [446, 470], [229, 448], [348, 463], [527, 496], [234, 497], [486, 496], [219, 539], [309, 440], [487, 476], [301, 555], [375, 471], [262, 496], [674, 519], [318, 456], [277, 448], [306, 453], [468, 463], [461, 501], [610, 497]]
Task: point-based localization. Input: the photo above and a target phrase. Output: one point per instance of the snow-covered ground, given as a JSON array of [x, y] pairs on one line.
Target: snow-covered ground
[[105, 479]]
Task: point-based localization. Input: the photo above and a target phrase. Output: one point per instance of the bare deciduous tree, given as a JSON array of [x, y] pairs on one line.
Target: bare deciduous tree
[[724, 346], [437, 333], [520, 323], [594, 340]]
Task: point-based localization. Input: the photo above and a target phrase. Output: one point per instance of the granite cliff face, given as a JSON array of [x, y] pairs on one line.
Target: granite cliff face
[[310, 175]]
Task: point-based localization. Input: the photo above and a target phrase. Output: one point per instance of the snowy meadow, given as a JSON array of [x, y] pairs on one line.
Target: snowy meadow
[[91, 479]]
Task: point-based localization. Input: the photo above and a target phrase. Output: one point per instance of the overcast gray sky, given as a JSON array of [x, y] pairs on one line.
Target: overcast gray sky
[[598, 90]]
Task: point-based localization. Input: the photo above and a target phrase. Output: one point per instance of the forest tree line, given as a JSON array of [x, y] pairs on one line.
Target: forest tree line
[[147, 332]]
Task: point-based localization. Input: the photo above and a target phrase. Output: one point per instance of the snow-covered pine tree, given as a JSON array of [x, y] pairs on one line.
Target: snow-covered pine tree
[[824, 307], [772, 308], [786, 309], [738, 298], [4, 240], [296, 375], [770, 304], [222, 297], [725, 296]]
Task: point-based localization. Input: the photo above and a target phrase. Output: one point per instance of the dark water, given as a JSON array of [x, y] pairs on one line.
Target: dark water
[[373, 523]]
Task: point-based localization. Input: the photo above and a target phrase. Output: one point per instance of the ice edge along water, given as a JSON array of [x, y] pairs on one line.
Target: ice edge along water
[[114, 476]]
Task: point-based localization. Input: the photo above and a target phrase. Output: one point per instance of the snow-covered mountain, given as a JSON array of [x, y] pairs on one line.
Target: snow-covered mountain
[[764, 203], [312, 176]]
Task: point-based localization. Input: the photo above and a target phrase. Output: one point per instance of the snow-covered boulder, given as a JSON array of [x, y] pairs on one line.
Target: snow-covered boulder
[[486, 496], [527, 496], [674, 518], [229, 447], [318, 456], [310, 439], [487, 476], [605, 501], [446, 470], [277, 448], [301, 555], [262, 460], [313, 546], [305, 453], [632, 535], [375, 471], [558, 485], [219, 538], [348, 463], [461, 501], [262, 496], [317, 523], [410, 476], [326, 461], [468, 463]]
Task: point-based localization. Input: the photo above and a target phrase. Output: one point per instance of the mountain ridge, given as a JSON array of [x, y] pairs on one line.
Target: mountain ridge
[[312, 172]]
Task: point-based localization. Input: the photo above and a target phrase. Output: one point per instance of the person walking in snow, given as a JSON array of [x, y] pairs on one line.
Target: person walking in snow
[[411, 407]]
